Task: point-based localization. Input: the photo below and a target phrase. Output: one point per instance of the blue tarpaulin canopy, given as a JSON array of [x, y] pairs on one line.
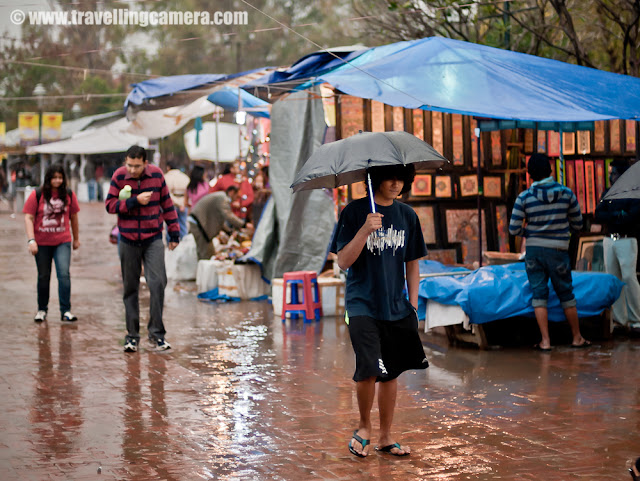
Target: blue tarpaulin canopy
[[168, 86], [227, 98], [448, 75], [310, 65]]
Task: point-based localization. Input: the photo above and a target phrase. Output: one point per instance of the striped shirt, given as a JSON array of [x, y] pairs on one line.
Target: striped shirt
[[544, 214], [142, 224]]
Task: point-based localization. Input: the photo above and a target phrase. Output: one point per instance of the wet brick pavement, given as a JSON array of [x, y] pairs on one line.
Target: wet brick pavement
[[242, 396]]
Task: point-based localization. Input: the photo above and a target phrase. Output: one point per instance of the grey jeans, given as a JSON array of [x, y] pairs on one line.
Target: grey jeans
[[131, 260]]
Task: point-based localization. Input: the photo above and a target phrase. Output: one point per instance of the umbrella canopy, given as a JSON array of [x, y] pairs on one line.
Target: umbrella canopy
[[627, 186], [345, 161]]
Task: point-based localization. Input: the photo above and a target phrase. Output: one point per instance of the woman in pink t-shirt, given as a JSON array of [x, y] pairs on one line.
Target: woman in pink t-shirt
[[50, 217], [198, 186]]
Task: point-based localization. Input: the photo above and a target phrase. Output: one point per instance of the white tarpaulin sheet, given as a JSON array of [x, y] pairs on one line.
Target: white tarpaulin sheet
[[156, 124], [112, 137], [229, 137]]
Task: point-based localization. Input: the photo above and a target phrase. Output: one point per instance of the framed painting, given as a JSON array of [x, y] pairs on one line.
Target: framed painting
[[427, 223], [630, 135], [437, 132], [590, 187], [358, 190], [570, 174], [589, 256], [568, 143], [554, 144], [421, 186], [614, 136], [448, 257], [528, 141], [580, 185], [600, 179], [496, 148], [542, 142], [418, 123], [443, 186], [468, 185], [492, 186], [502, 228], [584, 142], [458, 139], [474, 143], [598, 136], [462, 227]]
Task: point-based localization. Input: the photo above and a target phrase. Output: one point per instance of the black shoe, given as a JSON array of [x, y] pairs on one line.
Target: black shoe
[[130, 345]]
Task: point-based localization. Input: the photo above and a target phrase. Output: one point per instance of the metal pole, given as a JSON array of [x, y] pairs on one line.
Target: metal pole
[[561, 172], [239, 128], [217, 137], [40, 142], [479, 175]]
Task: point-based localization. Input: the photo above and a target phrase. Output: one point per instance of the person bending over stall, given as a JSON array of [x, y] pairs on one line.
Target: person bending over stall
[[209, 217], [544, 214], [377, 248]]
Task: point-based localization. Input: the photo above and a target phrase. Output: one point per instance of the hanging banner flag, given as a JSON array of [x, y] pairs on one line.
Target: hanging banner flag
[[51, 126], [28, 125], [3, 133]]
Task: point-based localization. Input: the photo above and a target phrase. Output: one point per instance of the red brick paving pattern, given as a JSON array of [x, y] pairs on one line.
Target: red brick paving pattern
[[243, 397]]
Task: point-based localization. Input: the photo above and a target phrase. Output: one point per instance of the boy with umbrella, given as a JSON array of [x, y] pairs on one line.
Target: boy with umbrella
[[376, 248]]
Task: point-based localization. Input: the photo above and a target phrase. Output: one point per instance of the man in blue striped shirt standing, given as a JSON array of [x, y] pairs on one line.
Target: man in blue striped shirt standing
[[544, 214]]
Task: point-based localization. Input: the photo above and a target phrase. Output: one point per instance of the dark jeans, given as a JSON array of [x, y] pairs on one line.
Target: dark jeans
[[182, 222], [131, 260], [61, 254], [544, 263]]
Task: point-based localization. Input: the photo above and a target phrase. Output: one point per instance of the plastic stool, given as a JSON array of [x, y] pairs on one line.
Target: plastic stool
[[310, 306]]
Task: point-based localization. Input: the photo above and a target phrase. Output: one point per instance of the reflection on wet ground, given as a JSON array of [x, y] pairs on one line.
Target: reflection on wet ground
[[243, 396]]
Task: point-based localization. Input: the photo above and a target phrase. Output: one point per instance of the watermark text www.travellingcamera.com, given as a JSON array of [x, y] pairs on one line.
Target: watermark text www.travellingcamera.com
[[124, 16]]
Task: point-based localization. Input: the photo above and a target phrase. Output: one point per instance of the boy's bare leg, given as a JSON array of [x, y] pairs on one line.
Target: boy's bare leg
[[365, 392], [571, 313], [387, 393], [543, 325]]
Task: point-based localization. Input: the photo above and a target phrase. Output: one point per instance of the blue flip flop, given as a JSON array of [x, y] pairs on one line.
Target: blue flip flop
[[387, 449], [363, 442]]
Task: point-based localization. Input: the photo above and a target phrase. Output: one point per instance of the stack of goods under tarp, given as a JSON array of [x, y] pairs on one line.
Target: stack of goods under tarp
[[231, 246]]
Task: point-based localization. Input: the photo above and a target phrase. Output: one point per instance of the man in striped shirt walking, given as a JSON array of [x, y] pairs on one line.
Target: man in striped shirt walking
[[544, 214], [141, 207]]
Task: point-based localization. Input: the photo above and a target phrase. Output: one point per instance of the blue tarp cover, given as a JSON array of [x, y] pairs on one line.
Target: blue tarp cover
[[448, 75], [503, 291], [227, 98], [308, 66], [158, 87]]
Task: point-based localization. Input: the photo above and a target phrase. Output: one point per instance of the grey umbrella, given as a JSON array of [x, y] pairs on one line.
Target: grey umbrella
[[627, 186], [345, 161]]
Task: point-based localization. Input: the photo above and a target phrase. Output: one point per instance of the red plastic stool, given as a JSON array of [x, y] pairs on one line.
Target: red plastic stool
[[310, 306]]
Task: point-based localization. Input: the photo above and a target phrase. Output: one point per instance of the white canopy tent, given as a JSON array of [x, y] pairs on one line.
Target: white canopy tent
[[223, 144], [156, 124], [112, 137]]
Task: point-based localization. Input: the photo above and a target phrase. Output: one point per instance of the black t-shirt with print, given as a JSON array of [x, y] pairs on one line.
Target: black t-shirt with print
[[375, 281]]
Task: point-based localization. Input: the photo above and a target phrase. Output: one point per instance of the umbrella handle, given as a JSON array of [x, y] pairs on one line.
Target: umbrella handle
[[373, 202]]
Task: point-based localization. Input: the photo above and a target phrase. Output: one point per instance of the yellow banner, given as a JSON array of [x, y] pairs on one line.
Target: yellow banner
[[51, 126], [3, 132], [28, 124]]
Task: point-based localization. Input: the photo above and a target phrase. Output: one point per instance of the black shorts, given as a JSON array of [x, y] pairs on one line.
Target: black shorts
[[385, 349]]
